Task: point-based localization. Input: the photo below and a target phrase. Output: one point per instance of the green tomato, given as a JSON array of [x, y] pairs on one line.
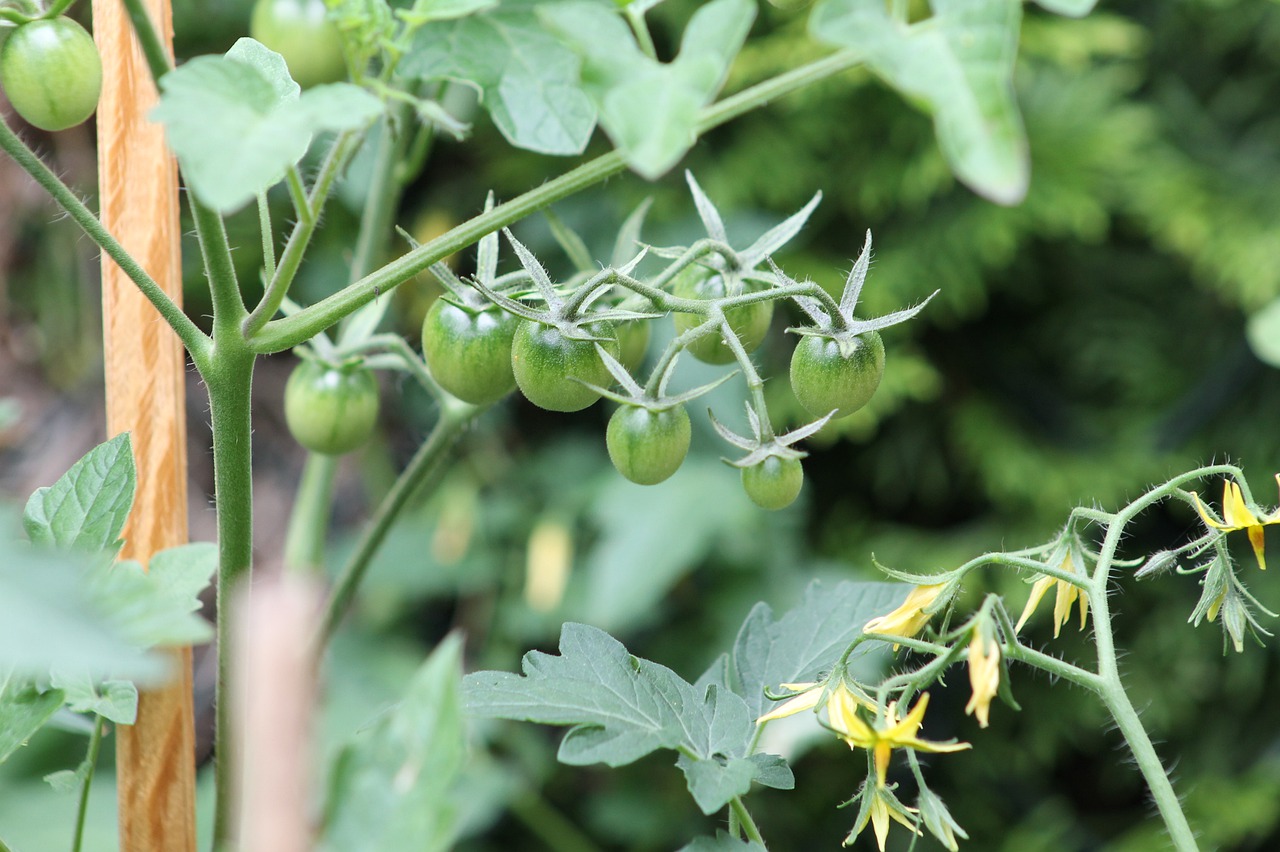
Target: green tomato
[[633, 343], [545, 363], [826, 379], [773, 483], [749, 322], [299, 31], [331, 410], [469, 352], [51, 72], [645, 446]]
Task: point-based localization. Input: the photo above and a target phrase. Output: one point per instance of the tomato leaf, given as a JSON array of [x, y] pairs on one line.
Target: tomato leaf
[[114, 700], [392, 783], [621, 708], [804, 642], [650, 109], [528, 80], [87, 507], [157, 606], [237, 122], [957, 65], [23, 710]]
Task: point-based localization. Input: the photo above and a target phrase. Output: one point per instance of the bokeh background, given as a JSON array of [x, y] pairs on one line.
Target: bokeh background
[[1085, 344]]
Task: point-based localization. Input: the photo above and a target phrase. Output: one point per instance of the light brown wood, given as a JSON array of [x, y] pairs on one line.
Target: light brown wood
[[138, 186]]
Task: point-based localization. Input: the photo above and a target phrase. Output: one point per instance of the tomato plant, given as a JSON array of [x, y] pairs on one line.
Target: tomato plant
[[838, 375], [550, 366], [331, 410], [469, 351], [51, 71], [749, 322], [648, 446], [774, 482], [300, 32]]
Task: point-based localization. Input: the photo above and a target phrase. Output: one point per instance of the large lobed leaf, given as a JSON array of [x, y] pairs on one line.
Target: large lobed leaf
[[527, 78], [648, 108], [238, 121], [958, 65]]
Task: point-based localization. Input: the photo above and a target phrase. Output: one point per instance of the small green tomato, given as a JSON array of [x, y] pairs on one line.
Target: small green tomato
[[469, 352], [52, 73], [646, 446], [749, 322], [331, 410], [773, 483], [545, 363], [828, 377]]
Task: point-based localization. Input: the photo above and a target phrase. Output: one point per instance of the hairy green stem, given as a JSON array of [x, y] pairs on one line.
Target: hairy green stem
[[288, 332], [192, 338], [453, 420], [219, 268], [229, 381], [153, 49], [91, 763], [309, 520], [739, 810]]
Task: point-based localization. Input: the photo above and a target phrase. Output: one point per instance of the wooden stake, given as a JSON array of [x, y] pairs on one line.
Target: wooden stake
[[138, 186]]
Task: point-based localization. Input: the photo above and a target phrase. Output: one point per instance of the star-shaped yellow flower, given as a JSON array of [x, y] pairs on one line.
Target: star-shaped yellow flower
[[883, 807], [1067, 595], [1237, 516], [909, 618], [888, 734], [984, 675]]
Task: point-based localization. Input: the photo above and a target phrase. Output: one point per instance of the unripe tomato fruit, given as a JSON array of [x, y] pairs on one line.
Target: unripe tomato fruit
[[299, 31], [543, 361], [825, 379], [51, 71], [645, 446], [469, 352], [633, 343], [773, 483], [749, 322], [330, 410]]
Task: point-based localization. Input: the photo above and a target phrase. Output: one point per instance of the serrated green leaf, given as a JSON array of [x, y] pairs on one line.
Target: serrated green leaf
[[805, 642], [650, 109], [87, 507], [114, 700], [23, 710], [527, 78], [391, 785], [47, 621], [238, 121], [157, 606], [958, 64], [622, 708], [1263, 333]]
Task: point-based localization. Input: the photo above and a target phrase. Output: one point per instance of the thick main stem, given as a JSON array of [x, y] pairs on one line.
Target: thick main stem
[[230, 383]]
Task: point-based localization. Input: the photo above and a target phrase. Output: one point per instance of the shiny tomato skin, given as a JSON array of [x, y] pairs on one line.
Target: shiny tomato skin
[[51, 72], [647, 447], [331, 410], [299, 31], [546, 362], [750, 322], [469, 352], [827, 379], [774, 483]]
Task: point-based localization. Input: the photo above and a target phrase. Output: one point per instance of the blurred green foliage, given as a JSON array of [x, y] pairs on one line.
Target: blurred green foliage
[[1085, 343]]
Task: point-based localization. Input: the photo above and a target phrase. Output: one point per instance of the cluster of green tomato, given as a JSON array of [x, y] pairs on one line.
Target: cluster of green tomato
[[480, 352], [51, 72]]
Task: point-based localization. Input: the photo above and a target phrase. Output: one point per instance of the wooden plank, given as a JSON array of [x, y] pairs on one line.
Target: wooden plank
[[138, 186]]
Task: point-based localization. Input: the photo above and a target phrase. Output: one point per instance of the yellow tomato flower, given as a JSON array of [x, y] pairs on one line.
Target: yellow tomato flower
[[884, 806], [840, 700], [909, 618], [984, 675], [1067, 595], [888, 734], [1237, 516]]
